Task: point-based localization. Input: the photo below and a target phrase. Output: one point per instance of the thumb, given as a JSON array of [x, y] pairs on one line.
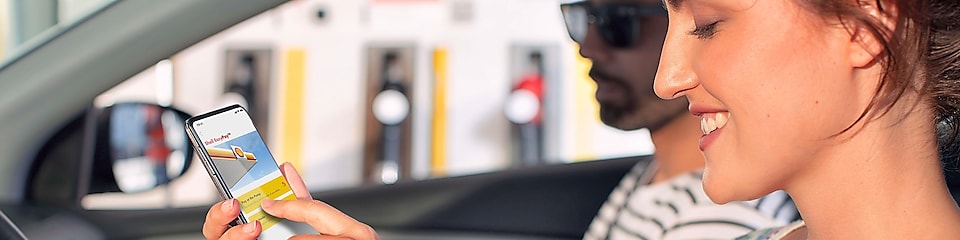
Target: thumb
[[322, 217]]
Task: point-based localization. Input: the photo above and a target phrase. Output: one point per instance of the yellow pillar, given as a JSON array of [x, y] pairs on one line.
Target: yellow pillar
[[439, 126], [292, 93], [585, 107]]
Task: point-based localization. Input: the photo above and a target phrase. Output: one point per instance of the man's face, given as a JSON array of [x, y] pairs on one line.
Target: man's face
[[624, 75]]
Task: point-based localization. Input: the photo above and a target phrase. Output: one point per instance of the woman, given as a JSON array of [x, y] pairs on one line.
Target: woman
[[834, 101]]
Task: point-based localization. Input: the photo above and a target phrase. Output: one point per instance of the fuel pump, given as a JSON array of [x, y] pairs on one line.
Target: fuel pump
[[391, 108]]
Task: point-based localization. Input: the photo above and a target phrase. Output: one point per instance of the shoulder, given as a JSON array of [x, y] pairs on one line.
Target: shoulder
[[774, 209], [698, 217], [778, 206], [773, 233]]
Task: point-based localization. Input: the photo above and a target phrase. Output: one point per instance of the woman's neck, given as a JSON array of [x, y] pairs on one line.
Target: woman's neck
[[884, 182]]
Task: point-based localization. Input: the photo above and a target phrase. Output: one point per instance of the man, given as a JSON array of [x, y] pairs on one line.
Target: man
[[662, 199]]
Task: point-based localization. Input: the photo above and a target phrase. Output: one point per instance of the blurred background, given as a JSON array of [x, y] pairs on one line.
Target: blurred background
[[365, 92]]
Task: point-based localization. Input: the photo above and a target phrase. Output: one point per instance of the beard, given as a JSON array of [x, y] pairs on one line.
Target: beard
[[651, 116], [630, 110]]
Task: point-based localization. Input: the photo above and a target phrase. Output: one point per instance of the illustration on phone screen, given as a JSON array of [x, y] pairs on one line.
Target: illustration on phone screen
[[242, 163]]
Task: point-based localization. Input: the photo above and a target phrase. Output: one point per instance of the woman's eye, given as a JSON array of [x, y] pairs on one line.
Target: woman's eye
[[705, 31]]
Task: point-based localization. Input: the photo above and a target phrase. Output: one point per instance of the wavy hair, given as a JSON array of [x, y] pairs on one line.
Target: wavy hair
[[922, 52]]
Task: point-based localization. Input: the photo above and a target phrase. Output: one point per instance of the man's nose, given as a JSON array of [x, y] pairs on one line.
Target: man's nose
[[593, 47]]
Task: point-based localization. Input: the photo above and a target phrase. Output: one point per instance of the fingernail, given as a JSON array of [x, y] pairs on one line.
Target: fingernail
[[227, 205], [251, 227], [267, 203]]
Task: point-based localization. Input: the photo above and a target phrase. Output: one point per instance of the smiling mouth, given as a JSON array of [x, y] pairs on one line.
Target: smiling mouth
[[710, 122]]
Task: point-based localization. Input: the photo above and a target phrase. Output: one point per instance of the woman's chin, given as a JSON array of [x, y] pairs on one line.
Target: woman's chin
[[722, 190], [714, 188], [719, 195]]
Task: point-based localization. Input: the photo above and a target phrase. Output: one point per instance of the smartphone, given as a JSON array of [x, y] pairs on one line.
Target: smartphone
[[240, 165]]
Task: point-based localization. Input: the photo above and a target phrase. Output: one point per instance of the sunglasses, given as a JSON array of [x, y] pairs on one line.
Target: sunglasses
[[617, 23]]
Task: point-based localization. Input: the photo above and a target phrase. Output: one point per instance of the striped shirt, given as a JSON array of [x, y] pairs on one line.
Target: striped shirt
[[774, 233], [679, 209]]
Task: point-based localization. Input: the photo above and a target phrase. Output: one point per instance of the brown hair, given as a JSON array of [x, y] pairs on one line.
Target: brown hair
[[927, 32], [944, 69]]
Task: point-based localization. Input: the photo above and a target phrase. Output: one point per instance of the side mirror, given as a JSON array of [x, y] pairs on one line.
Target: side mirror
[[139, 147]]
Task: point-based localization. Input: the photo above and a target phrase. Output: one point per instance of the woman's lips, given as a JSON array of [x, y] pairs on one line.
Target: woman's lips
[[711, 124]]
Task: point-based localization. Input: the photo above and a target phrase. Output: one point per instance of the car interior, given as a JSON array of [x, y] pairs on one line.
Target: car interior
[[58, 148], [554, 202]]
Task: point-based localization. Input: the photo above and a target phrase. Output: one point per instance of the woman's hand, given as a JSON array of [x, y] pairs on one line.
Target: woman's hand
[[329, 222]]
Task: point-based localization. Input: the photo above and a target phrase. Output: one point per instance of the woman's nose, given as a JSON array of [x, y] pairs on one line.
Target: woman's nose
[[674, 74]]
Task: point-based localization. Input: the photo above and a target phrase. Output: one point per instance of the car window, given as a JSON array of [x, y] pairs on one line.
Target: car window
[[382, 92], [25, 25]]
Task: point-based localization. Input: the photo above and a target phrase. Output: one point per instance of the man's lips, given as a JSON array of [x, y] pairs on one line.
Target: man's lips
[[610, 88], [607, 92]]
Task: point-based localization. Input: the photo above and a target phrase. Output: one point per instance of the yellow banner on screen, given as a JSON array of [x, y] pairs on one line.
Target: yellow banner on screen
[[272, 189], [267, 221]]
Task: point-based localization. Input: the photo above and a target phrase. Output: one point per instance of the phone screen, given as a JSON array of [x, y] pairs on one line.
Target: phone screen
[[240, 164]]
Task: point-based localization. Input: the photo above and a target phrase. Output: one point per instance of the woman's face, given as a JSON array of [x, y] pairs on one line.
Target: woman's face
[[771, 81]]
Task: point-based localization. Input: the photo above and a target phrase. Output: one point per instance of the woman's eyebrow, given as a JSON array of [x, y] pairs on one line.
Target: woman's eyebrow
[[675, 4]]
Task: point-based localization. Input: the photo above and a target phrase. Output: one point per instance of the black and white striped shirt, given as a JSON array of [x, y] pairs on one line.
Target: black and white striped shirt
[[679, 209]]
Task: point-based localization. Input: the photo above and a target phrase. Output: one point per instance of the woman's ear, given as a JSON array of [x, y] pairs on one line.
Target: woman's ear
[[868, 44]]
